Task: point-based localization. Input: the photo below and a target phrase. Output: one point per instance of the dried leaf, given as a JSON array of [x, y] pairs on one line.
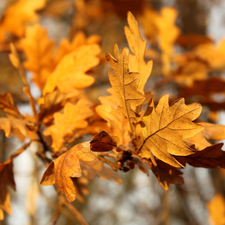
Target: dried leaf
[[118, 124], [66, 166], [210, 157], [97, 168], [137, 46], [167, 127], [166, 174], [13, 126], [124, 83], [17, 15], [102, 142], [73, 118], [7, 179], [70, 73], [38, 50], [7, 105]]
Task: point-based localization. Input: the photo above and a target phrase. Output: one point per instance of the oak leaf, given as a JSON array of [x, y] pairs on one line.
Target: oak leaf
[[216, 208], [125, 84], [70, 73], [117, 122], [103, 142], [97, 168], [210, 157], [7, 105], [166, 127], [7, 179], [38, 50], [166, 174], [17, 15], [137, 46], [65, 124], [66, 166]]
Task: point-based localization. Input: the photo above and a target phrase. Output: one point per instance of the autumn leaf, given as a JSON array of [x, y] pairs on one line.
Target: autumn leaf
[[213, 54], [96, 168], [78, 40], [38, 50], [65, 124], [70, 73], [216, 208], [7, 105], [137, 46], [102, 142], [166, 174], [117, 122], [7, 179], [13, 126], [66, 166], [124, 83], [210, 157], [166, 127], [17, 15]]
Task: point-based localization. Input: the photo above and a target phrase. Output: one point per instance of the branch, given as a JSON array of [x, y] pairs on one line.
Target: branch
[[14, 57], [72, 209]]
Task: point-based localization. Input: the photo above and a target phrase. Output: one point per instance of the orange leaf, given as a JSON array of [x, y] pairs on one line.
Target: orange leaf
[[216, 207], [39, 53], [73, 118], [66, 166], [71, 71], [17, 15], [7, 105]]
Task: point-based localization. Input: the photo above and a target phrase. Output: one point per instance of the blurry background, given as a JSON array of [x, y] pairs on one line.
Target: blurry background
[[186, 48]]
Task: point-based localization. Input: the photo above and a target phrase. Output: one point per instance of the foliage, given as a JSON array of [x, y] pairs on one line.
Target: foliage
[[130, 127]]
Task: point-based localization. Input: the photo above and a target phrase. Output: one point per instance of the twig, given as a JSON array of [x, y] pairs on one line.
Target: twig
[[113, 165], [23, 76], [113, 155], [73, 210]]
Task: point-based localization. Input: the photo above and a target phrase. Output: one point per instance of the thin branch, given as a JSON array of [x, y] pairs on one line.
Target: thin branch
[[23, 76], [73, 210], [113, 165]]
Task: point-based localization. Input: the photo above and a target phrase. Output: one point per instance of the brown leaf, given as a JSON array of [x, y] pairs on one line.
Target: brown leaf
[[7, 179], [166, 127], [73, 118], [166, 174], [102, 142], [210, 157], [66, 166]]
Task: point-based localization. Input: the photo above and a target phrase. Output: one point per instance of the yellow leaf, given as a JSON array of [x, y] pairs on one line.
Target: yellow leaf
[[66, 166], [73, 118], [167, 127], [216, 207], [17, 15], [39, 53], [71, 71]]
